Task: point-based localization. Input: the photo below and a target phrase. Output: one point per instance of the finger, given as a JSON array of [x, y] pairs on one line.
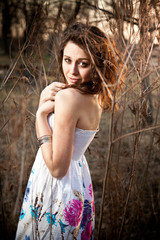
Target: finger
[[55, 90], [50, 96], [57, 85]]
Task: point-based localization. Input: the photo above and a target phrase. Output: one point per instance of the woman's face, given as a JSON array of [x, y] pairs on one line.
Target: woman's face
[[76, 64]]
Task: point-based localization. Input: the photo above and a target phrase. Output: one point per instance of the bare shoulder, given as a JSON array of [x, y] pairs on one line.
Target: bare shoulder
[[67, 104], [69, 96], [69, 92]]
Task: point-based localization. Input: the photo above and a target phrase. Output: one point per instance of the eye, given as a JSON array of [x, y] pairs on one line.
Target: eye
[[67, 60], [84, 64]]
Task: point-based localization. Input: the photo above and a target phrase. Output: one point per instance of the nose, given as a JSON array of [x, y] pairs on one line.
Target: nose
[[74, 69]]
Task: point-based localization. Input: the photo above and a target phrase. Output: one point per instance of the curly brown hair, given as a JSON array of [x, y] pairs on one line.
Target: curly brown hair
[[105, 61]]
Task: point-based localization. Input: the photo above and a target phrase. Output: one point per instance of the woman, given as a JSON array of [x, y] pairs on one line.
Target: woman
[[58, 203]]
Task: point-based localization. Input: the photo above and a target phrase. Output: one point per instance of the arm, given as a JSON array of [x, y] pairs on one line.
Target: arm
[[47, 103], [58, 153]]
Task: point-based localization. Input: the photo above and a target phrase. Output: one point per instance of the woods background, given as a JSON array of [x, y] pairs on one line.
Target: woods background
[[124, 158]]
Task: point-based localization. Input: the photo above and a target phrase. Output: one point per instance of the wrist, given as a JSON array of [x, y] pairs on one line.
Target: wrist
[[41, 101], [42, 126], [41, 114]]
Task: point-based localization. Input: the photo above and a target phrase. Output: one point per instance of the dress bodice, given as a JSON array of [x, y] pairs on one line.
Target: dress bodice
[[82, 139]]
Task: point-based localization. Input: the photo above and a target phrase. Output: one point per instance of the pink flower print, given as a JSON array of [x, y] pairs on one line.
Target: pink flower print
[[87, 232], [93, 206], [73, 212], [90, 190]]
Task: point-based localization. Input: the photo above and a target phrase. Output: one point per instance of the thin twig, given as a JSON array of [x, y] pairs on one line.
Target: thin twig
[[135, 132]]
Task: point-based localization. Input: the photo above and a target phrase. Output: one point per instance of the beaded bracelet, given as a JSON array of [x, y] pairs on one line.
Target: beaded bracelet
[[44, 139]]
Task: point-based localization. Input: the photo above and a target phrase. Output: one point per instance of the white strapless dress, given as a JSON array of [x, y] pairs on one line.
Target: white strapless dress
[[59, 208]]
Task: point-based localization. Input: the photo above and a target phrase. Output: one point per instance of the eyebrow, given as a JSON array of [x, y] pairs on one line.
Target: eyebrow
[[78, 58]]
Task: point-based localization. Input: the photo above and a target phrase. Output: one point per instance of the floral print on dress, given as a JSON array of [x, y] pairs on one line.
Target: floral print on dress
[[84, 184], [27, 237], [87, 232], [87, 213], [22, 214], [90, 190], [79, 213], [53, 218], [73, 212], [62, 225], [91, 194], [27, 191], [80, 164], [34, 212]]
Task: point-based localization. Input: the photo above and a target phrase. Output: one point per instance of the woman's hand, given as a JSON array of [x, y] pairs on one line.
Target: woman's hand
[[49, 93], [46, 108]]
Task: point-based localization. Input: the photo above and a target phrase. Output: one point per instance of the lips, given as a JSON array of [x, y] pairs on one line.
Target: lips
[[73, 80]]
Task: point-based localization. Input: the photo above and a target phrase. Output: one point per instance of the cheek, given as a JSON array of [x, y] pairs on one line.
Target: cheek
[[64, 69], [87, 75]]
